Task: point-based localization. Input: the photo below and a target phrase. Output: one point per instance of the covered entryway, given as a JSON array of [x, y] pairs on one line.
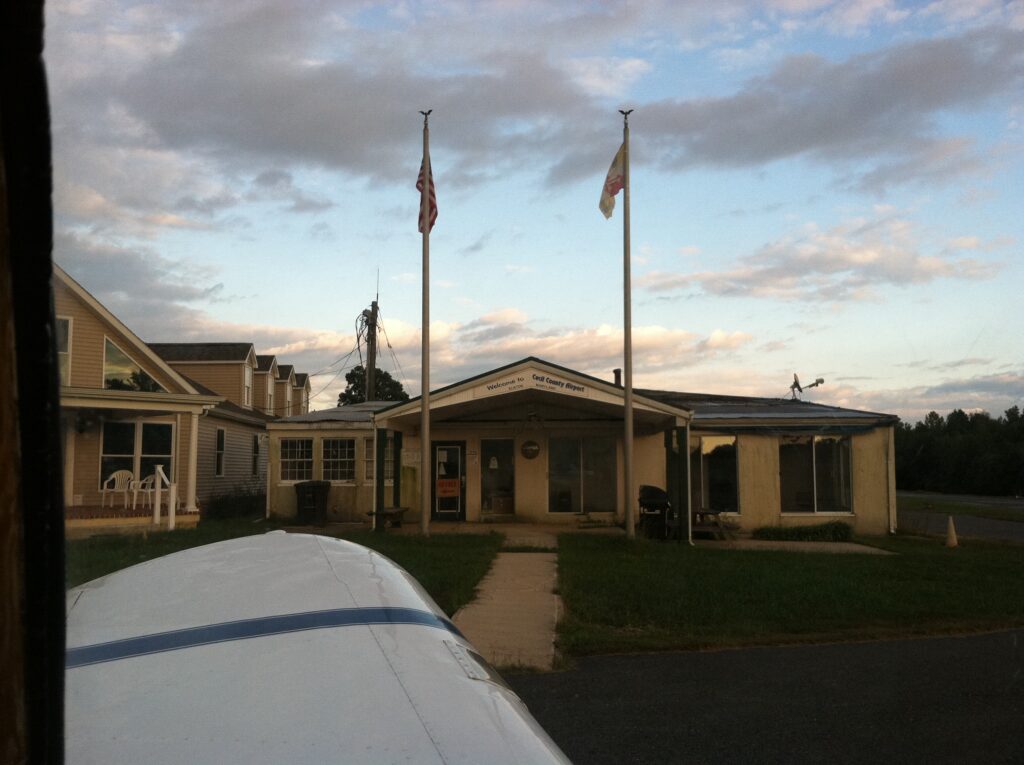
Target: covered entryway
[[532, 442]]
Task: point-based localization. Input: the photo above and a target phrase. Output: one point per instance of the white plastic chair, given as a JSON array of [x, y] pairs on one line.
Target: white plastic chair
[[118, 481], [144, 487]]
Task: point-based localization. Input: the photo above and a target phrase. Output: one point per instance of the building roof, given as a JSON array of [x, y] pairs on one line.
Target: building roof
[[202, 351], [708, 407], [301, 379], [231, 409], [361, 412], [284, 371], [264, 363]]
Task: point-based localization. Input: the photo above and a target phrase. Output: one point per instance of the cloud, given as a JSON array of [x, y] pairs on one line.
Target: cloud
[[993, 393], [880, 106], [607, 77], [847, 262]]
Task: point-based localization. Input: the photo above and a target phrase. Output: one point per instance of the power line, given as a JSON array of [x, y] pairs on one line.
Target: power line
[[387, 340]]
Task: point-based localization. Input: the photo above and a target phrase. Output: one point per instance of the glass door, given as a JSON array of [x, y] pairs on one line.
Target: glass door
[[497, 475], [449, 481]]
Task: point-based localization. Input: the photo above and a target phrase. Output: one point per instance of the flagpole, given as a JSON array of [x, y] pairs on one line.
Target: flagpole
[[627, 439], [425, 455]]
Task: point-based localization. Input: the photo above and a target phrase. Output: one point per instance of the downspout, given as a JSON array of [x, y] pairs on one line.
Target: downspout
[[685, 454], [373, 518], [890, 477]]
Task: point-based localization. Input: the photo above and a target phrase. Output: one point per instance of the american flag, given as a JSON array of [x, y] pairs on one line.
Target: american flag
[[432, 200]]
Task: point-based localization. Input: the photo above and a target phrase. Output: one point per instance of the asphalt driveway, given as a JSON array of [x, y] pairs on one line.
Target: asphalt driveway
[[938, 700]]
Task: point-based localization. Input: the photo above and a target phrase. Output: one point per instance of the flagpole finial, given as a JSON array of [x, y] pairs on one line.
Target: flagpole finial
[[625, 115], [426, 115]]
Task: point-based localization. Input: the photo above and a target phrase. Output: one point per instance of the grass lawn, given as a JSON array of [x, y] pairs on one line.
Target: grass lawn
[[449, 566], [952, 507], [625, 596]]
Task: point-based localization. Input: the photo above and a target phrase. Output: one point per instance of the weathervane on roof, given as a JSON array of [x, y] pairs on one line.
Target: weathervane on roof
[[796, 387]]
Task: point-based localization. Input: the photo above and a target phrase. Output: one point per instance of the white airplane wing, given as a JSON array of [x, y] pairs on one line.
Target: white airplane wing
[[281, 648]]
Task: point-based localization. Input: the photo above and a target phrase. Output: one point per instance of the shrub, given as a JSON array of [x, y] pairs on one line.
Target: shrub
[[242, 501], [835, 531]]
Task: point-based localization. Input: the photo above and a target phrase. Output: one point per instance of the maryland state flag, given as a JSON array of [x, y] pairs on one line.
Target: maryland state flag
[[614, 182], [426, 181]]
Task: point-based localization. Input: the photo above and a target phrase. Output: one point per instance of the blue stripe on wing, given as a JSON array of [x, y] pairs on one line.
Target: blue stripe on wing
[[250, 628]]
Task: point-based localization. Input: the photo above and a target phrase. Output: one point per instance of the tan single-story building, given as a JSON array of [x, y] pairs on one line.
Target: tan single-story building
[[538, 442]]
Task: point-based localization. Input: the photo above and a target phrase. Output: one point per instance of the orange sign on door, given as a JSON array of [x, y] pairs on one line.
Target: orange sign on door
[[447, 487]]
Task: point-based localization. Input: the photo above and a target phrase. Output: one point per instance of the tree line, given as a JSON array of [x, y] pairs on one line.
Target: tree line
[[962, 453]]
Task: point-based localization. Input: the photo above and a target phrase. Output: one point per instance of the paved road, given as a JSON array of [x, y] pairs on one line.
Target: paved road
[[941, 700], [967, 526], [1009, 503]]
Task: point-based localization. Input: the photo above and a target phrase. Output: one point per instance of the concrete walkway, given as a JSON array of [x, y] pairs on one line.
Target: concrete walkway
[[512, 620]]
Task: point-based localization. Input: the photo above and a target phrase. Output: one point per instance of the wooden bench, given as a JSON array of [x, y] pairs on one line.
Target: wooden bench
[[389, 515], [711, 521]]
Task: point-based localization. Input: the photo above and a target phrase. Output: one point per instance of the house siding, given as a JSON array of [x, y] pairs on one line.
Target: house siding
[[260, 382], [237, 458], [225, 379], [282, 394]]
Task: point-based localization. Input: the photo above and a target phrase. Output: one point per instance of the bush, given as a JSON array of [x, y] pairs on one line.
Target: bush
[[836, 531], [239, 502]]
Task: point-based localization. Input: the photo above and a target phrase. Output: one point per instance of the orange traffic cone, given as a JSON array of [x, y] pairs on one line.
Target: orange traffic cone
[[951, 534]]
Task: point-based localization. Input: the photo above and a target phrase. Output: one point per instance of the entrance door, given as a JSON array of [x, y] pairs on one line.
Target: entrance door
[[497, 475], [449, 481]]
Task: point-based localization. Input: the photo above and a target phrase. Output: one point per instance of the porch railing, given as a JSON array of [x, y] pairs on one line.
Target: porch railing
[[172, 497]]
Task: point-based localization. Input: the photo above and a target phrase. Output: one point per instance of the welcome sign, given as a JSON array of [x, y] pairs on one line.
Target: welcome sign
[[531, 380]]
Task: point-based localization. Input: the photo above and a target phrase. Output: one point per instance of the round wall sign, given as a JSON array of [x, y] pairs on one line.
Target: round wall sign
[[530, 449]]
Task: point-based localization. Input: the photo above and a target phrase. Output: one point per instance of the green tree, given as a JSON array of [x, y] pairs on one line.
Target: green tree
[[387, 387]]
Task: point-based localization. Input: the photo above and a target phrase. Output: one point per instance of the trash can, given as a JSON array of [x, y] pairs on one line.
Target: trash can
[[311, 502]]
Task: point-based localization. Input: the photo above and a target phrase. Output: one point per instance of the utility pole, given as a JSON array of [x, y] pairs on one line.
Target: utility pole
[[371, 353]]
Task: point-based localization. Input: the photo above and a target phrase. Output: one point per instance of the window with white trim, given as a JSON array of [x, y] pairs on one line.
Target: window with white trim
[[219, 465], [126, 446], [339, 459], [247, 385], [296, 459], [64, 349], [814, 474]]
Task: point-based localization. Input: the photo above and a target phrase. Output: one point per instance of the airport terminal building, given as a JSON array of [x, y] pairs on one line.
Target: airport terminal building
[[534, 441]]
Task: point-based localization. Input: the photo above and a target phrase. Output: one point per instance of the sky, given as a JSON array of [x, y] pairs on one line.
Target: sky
[[825, 188]]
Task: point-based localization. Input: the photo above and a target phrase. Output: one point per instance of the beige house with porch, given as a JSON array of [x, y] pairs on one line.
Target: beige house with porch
[[122, 406]]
